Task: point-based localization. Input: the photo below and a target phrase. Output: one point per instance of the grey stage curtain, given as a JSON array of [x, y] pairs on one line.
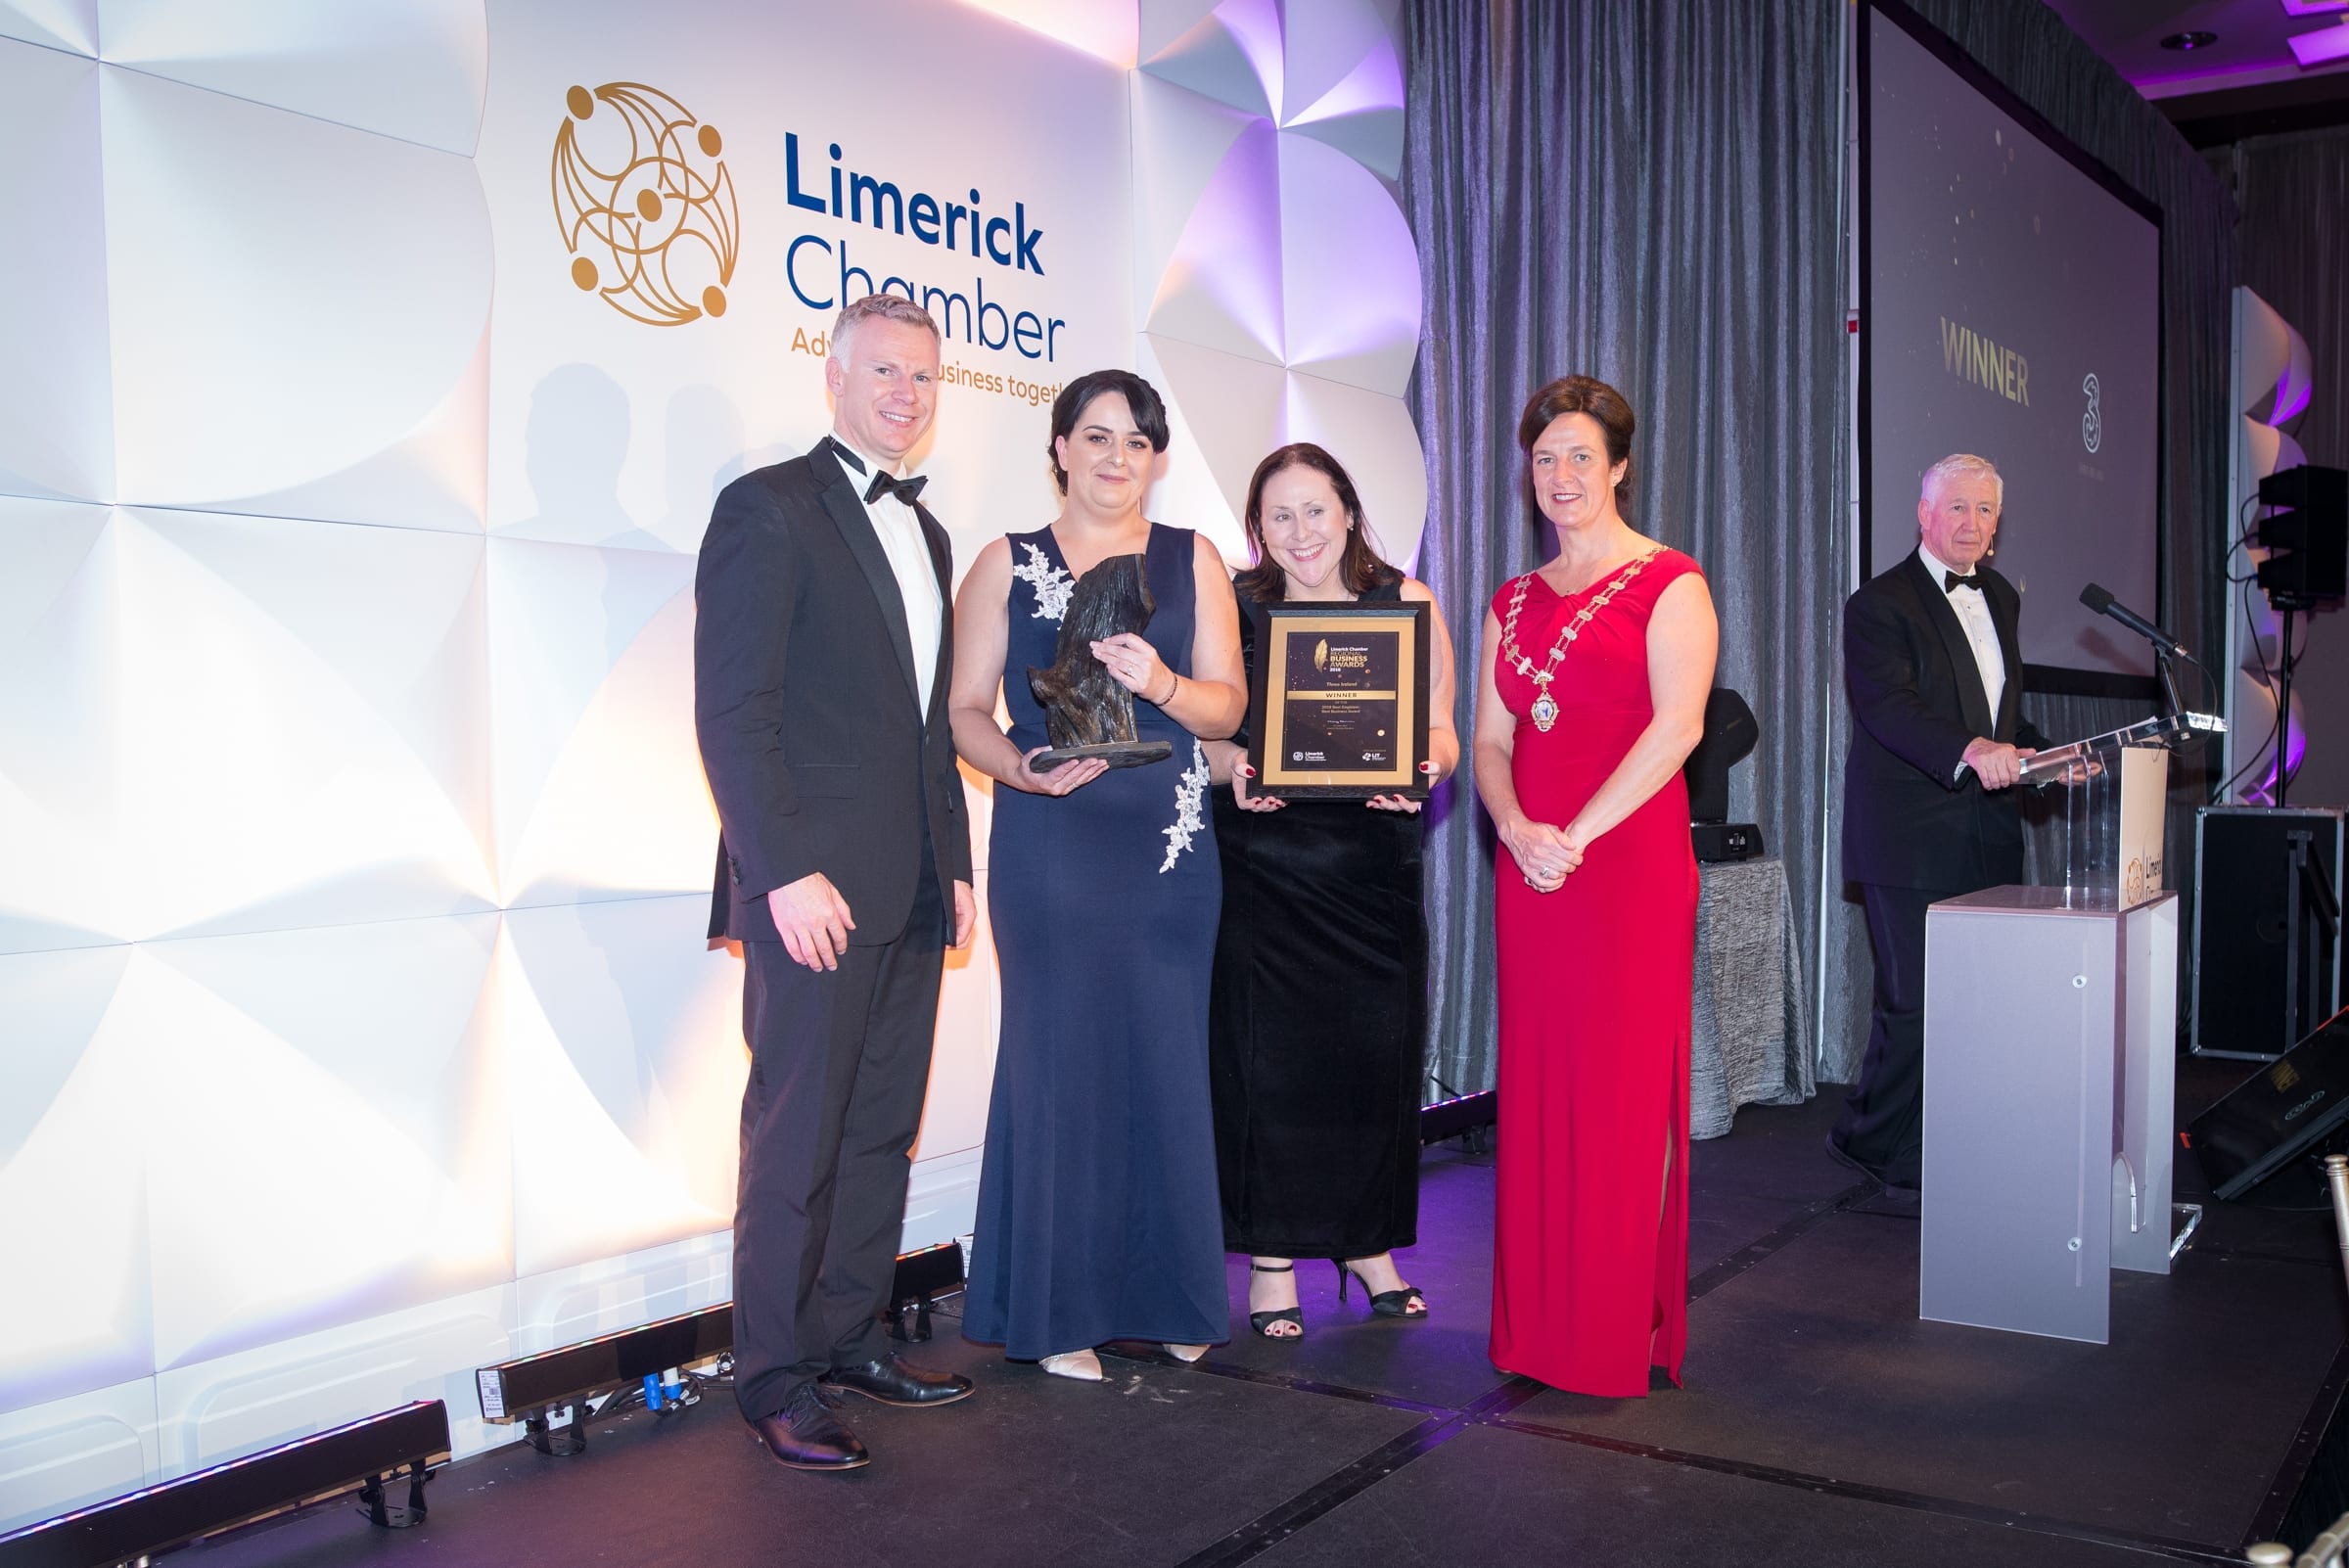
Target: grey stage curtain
[[2025, 44], [1645, 191]]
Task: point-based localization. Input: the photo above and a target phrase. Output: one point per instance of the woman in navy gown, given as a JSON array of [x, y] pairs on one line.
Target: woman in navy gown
[[1097, 1208]]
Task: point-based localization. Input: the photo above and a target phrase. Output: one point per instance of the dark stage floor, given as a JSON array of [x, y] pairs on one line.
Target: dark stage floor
[[1822, 1423]]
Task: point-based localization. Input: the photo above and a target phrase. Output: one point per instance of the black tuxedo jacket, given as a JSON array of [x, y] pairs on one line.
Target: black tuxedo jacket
[[805, 700], [1917, 701]]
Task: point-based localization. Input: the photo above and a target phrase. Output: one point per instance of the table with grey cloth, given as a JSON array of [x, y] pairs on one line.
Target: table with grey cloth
[[1751, 1043]]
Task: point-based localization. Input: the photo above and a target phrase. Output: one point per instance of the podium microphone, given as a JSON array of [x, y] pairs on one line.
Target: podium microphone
[[2102, 602]]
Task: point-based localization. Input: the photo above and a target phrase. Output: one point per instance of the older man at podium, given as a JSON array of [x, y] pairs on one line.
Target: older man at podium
[[1932, 667]]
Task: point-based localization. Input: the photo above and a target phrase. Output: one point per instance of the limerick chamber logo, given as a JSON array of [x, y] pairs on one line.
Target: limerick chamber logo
[[645, 205], [2092, 423]]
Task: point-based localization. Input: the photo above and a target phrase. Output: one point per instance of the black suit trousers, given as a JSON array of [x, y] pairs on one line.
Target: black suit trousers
[[840, 1061], [1882, 1124]]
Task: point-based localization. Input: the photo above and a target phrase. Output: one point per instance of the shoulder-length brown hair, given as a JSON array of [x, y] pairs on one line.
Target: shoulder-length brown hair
[[1360, 566]]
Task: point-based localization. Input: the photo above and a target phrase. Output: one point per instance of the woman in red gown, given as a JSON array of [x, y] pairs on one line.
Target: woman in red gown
[[1594, 674]]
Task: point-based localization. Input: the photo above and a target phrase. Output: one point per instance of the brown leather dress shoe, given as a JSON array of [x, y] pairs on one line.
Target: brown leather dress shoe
[[893, 1381], [806, 1435]]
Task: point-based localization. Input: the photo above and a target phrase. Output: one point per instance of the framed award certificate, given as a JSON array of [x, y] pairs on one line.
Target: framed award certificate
[[1337, 702]]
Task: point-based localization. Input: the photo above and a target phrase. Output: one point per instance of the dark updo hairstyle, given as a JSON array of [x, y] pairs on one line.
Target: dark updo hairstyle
[[1360, 567], [1583, 394], [1141, 401]]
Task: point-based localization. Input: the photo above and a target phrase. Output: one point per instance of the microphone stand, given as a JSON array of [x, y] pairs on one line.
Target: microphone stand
[[2168, 673]]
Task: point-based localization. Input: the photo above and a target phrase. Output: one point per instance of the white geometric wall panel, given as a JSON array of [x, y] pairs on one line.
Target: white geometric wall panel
[[414, 71], [60, 629], [74, 1220], [68, 25], [624, 1113], [599, 779], [55, 426], [77, 1450], [356, 1022], [303, 723], [342, 1085], [1267, 138], [297, 309]]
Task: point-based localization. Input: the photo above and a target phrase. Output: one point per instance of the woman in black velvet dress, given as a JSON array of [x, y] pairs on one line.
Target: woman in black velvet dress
[[1318, 1020]]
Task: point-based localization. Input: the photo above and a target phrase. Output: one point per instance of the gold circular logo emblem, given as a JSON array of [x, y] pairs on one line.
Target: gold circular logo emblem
[[649, 214], [2134, 883]]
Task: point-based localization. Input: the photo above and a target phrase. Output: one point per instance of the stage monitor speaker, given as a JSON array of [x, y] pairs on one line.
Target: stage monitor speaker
[[2277, 1114], [2242, 904], [2308, 564]]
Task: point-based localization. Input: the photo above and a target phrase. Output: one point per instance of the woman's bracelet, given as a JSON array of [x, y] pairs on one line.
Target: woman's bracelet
[[1171, 691]]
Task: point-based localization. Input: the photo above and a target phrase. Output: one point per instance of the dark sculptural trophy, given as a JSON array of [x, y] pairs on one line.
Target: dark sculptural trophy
[[1087, 713]]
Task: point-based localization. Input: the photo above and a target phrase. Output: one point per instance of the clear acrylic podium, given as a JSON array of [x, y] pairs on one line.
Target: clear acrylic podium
[[2050, 1023]]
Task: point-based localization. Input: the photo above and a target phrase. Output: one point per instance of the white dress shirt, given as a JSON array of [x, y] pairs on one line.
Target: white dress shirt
[[1973, 613], [900, 531]]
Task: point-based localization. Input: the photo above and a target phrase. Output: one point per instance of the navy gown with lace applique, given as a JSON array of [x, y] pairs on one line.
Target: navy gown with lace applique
[[1098, 1216]]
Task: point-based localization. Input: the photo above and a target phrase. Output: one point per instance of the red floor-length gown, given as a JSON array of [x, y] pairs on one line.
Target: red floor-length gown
[[1590, 1239]]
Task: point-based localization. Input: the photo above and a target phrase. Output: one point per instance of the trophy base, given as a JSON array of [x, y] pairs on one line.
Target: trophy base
[[1117, 754]]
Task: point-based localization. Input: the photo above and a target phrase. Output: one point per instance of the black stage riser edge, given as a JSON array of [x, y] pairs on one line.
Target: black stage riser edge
[[1449, 1118], [155, 1519], [528, 1384]]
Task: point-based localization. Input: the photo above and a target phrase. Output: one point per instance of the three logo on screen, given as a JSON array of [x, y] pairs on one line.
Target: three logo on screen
[[2092, 423], [652, 227]]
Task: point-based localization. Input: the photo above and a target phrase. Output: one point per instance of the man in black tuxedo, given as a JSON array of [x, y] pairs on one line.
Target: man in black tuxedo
[[1929, 811], [820, 659]]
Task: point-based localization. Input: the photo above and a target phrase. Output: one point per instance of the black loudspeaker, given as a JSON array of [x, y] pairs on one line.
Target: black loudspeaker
[[2279, 1113], [2308, 568], [2244, 904]]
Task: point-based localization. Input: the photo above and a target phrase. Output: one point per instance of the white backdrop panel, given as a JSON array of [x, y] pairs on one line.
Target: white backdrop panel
[[56, 434], [73, 1096], [626, 1042], [67, 24], [599, 778], [219, 1409], [342, 1085], [76, 1450], [565, 1305], [1350, 275], [303, 723], [61, 764], [415, 70], [297, 307]]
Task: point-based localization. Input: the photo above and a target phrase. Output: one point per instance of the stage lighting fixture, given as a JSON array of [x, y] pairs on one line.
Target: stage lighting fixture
[[366, 1456], [1730, 735], [2187, 42], [1462, 1113], [556, 1393]]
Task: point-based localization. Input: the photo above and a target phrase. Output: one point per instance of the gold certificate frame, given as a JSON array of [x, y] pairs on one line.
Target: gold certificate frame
[[1337, 702]]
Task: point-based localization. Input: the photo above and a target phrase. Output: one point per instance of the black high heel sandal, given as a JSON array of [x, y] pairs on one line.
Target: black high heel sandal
[[1387, 1302], [1262, 1323]]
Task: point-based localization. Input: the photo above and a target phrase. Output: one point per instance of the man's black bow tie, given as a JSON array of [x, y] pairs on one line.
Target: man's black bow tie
[[1949, 580], [904, 489]]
